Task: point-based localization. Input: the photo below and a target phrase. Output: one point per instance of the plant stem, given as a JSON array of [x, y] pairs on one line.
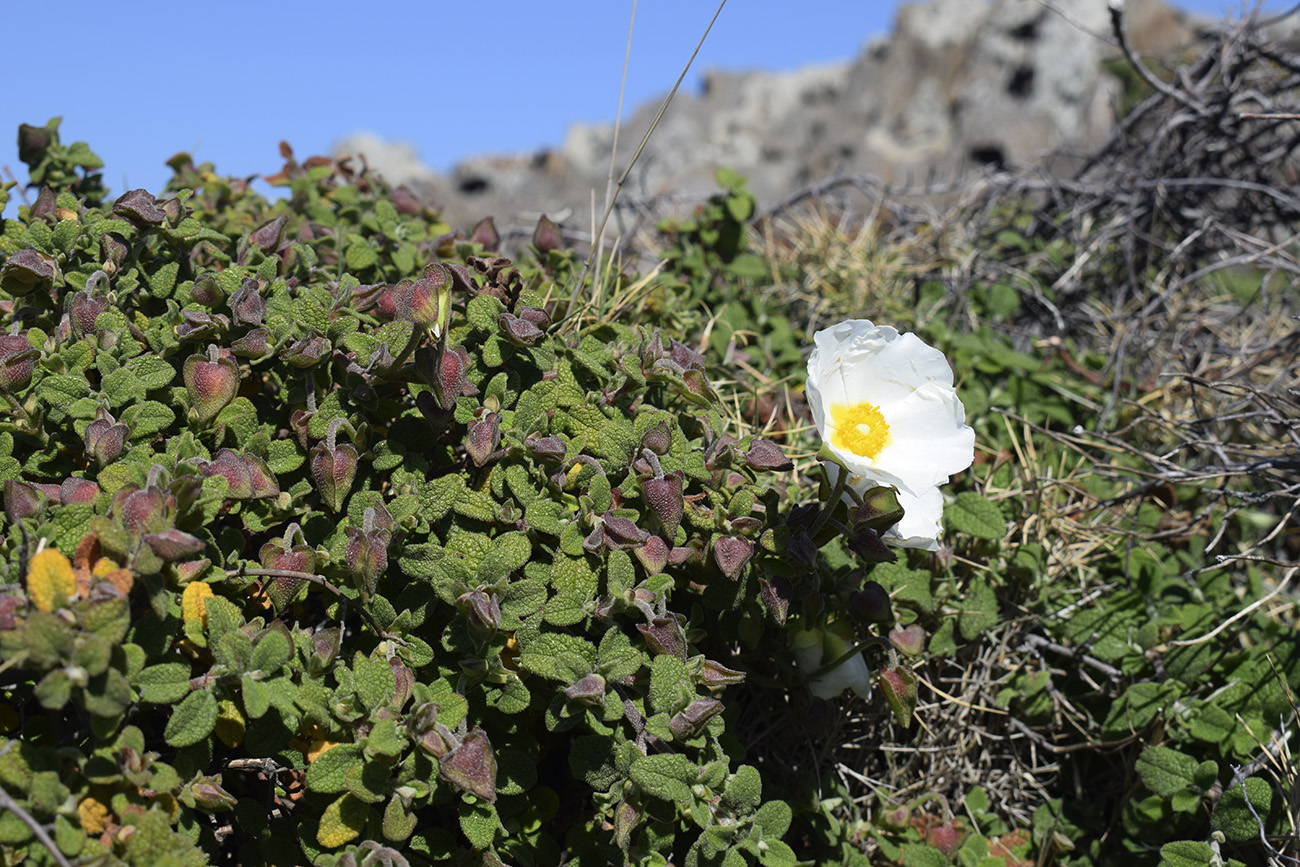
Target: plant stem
[[38, 830]]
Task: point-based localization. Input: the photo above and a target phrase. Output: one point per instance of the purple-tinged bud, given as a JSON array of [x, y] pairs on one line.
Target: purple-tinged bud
[[406, 202], [201, 325], [17, 361], [324, 648], [366, 555], [76, 491], [281, 554], [897, 819], [731, 553], [898, 684], [209, 795], [137, 508], [866, 543], [485, 234], [172, 544], [547, 236], [333, 469], [622, 533], [658, 439], [626, 820], [22, 500], [691, 552], [370, 295], [767, 455], [880, 510], [191, 570], [227, 464], [10, 603], [247, 305], [113, 250], [871, 603], [426, 301], [46, 204], [255, 344], [446, 371], [697, 388], [471, 767], [716, 676], [690, 722], [26, 271], [269, 236], [686, 357], [174, 210], [518, 331], [535, 315], [801, 550], [483, 612], [404, 680], [664, 635], [85, 310], [653, 555], [137, 206], [306, 351], [483, 438], [589, 690], [300, 422], [909, 641], [776, 595], [546, 448], [212, 382], [105, 438], [265, 485], [207, 291], [664, 496]]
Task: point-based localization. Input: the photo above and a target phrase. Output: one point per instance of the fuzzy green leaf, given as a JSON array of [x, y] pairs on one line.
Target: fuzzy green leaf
[[151, 371], [164, 683], [272, 652], [979, 609], [976, 516], [479, 821], [510, 552], [192, 720], [558, 657], [328, 774], [671, 685], [1234, 817], [1166, 771], [1187, 853], [665, 776]]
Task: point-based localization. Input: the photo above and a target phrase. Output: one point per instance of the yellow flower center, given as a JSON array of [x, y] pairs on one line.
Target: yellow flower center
[[860, 428]]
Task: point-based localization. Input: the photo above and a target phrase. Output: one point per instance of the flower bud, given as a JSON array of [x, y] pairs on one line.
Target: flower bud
[[212, 382], [898, 684], [207, 291], [137, 206], [664, 496], [871, 603], [485, 235], [137, 509], [471, 767], [324, 648], [333, 469], [658, 439], [172, 544], [880, 510], [731, 553], [113, 250], [483, 438], [269, 236], [690, 722], [520, 332], [404, 681], [867, 544], [75, 491], [366, 555], [547, 448], [247, 305], [909, 641], [105, 438], [664, 635], [17, 361], [26, 271], [483, 611], [209, 795], [255, 344], [776, 595], [717, 676], [446, 370], [589, 690], [653, 555], [547, 236], [426, 301], [305, 352], [227, 464], [22, 500], [767, 455]]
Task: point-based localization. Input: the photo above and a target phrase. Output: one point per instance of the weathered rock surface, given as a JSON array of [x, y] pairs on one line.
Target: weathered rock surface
[[958, 84]]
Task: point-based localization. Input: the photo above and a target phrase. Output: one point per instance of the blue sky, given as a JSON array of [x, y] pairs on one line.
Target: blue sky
[[143, 79]]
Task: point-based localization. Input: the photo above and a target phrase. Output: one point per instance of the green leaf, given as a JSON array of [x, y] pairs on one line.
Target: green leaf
[[665, 776], [328, 774], [1166, 771], [979, 609], [671, 685], [774, 817], [479, 821], [509, 553], [272, 652], [164, 683], [744, 790], [1234, 817], [193, 719], [151, 371], [1187, 853], [284, 456], [976, 516], [360, 256], [375, 682], [558, 657], [575, 584], [162, 281], [147, 418], [62, 389], [256, 695]]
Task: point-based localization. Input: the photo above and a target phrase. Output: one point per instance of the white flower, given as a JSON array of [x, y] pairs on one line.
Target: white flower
[[885, 405], [814, 648]]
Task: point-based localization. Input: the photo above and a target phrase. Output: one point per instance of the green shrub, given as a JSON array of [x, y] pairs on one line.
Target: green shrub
[[322, 541]]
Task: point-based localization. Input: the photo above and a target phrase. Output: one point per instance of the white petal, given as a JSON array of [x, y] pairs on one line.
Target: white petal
[[921, 524]]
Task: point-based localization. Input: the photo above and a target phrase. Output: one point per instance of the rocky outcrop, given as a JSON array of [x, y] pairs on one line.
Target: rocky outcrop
[[958, 84]]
